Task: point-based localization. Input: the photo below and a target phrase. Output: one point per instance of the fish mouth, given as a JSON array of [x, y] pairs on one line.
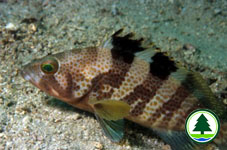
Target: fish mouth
[[28, 74], [25, 75]]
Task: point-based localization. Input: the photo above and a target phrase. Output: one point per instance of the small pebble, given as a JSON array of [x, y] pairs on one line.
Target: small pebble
[[32, 28], [10, 26], [57, 120], [2, 135], [217, 11], [1, 101], [74, 117], [225, 101], [26, 120], [98, 146], [1, 78], [166, 147], [189, 47]]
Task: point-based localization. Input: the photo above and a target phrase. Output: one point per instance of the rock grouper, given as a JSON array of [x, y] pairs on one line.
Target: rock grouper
[[122, 79]]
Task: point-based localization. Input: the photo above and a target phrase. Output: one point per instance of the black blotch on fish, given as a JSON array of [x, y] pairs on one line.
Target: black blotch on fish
[[125, 47], [161, 66]]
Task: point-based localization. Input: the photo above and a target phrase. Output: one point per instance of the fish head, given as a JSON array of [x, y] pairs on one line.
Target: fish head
[[42, 73], [54, 75]]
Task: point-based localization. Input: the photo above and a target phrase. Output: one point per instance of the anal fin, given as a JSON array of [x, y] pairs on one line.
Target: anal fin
[[178, 140]]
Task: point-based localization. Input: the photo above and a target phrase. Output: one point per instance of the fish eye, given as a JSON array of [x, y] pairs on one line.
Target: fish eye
[[49, 66]]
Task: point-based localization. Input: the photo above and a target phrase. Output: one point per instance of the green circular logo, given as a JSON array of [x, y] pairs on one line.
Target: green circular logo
[[202, 125]]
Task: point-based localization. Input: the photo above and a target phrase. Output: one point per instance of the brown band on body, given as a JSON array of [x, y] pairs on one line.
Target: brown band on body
[[171, 105], [181, 122], [114, 77], [65, 93], [145, 92]]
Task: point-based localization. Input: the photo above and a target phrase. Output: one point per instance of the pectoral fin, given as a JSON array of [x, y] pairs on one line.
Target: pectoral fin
[[111, 109], [114, 130]]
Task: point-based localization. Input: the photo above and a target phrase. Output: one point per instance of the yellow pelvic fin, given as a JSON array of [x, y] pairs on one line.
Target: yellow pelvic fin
[[110, 109]]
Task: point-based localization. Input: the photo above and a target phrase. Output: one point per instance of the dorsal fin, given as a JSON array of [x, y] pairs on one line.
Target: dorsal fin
[[146, 54], [124, 47]]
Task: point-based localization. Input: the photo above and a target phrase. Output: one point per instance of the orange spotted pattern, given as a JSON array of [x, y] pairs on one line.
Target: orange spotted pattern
[[155, 102], [83, 67], [156, 98]]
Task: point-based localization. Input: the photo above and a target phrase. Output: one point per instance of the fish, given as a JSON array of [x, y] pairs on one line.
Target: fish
[[125, 79]]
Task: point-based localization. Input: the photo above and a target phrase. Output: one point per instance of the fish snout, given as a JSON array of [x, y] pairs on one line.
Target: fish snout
[[30, 74], [25, 74]]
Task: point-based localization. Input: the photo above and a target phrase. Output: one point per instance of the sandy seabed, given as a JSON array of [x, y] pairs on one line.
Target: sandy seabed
[[192, 32]]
